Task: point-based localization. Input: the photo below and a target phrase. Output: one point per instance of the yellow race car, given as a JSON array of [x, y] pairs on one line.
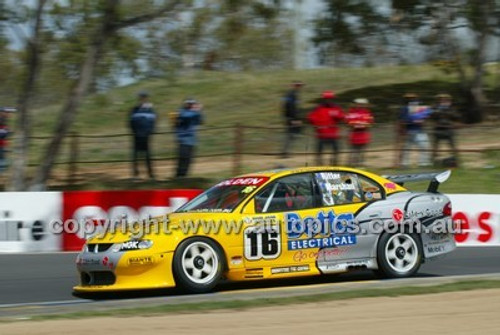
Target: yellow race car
[[275, 224]]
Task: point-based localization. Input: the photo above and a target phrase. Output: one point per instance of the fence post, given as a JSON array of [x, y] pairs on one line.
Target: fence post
[[74, 148], [398, 144], [238, 148]]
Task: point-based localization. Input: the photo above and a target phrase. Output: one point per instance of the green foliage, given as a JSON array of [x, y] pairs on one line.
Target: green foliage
[[347, 27], [228, 34]]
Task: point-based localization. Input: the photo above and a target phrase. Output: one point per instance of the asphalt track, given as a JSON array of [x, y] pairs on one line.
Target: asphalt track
[[49, 278]]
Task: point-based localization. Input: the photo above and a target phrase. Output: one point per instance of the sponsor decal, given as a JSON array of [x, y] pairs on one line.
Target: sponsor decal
[[397, 215], [428, 212], [435, 249], [236, 260], [438, 237], [248, 189], [140, 260], [342, 187], [88, 261], [328, 175], [107, 263], [390, 186], [245, 181], [310, 255], [326, 230], [290, 269], [325, 242], [261, 220], [129, 245]]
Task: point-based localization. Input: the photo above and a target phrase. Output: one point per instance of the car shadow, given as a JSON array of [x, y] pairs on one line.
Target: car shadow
[[355, 276]]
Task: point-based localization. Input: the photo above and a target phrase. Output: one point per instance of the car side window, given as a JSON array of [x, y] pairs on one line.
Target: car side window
[[290, 193], [339, 188], [370, 189]]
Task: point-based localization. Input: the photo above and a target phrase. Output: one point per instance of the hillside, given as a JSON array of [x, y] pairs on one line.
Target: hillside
[[249, 99]]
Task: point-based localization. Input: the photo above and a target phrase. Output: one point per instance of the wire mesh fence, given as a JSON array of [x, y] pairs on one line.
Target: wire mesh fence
[[244, 148]]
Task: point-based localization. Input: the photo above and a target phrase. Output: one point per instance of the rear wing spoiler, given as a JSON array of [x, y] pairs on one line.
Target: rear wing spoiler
[[435, 179]]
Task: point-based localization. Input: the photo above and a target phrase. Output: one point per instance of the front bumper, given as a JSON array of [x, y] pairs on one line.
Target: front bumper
[[130, 270]]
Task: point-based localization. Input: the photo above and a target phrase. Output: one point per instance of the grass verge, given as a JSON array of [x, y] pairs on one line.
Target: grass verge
[[465, 285]]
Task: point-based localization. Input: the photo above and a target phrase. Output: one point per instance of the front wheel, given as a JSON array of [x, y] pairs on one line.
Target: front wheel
[[198, 265], [399, 255]]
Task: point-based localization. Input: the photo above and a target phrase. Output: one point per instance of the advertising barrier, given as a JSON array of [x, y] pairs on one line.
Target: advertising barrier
[[479, 217], [95, 206], [25, 217]]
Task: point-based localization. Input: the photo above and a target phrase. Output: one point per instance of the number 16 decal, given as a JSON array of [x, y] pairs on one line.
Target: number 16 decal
[[262, 242]]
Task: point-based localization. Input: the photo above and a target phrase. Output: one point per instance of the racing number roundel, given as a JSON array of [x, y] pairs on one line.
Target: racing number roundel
[[262, 242]]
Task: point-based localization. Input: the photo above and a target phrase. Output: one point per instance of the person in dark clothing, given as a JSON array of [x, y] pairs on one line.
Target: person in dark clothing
[[326, 118], [4, 133], [188, 119], [291, 113], [444, 117], [142, 123]]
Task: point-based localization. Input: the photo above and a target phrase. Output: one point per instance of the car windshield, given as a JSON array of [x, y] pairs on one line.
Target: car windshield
[[225, 196]]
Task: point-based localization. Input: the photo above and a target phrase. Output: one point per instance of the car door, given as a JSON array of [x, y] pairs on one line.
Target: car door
[[344, 195], [266, 235]]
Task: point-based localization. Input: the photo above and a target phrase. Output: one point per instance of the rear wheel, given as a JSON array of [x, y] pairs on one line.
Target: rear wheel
[[399, 255], [198, 264]]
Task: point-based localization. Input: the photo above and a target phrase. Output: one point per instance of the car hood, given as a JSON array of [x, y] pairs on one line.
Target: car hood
[[171, 225]]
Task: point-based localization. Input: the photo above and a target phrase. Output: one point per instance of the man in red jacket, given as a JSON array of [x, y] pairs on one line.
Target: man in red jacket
[[325, 119], [359, 118]]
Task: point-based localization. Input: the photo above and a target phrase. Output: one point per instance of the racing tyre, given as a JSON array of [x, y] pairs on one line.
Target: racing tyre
[[198, 265], [399, 255]]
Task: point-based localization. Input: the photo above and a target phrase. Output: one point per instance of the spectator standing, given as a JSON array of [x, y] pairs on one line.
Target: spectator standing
[[412, 117], [444, 116], [359, 118], [142, 123], [187, 121], [4, 133], [325, 119], [291, 113]]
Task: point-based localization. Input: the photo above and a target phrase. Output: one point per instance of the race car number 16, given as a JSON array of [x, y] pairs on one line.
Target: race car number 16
[[262, 242]]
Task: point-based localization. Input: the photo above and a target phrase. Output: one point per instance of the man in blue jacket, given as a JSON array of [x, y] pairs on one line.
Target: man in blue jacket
[[412, 117], [142, 123], [187, 122]]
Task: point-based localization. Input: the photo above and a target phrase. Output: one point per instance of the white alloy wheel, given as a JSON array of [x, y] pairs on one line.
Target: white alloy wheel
[[401, 253], [200, 263]]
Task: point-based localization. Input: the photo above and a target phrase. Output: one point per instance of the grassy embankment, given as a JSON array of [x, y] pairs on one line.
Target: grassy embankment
[[251, 99]]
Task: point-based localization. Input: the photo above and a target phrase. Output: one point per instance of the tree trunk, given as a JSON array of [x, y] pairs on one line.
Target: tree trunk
[[21, 146], [110, 23], [478, 98], [68, 112], [472, 88]]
